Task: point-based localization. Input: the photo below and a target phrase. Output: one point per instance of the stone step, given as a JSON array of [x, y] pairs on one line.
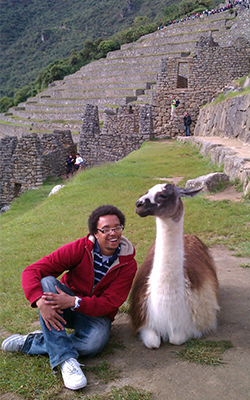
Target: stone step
[[198, 24], [77, 104], [122, 78], [155, 49], [166, 39], [113, 70], [49, 99]]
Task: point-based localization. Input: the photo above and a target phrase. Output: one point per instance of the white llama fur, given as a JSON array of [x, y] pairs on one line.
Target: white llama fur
[[174, 310]]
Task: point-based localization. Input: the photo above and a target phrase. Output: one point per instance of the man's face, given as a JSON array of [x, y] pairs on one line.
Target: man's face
[[108, 243]]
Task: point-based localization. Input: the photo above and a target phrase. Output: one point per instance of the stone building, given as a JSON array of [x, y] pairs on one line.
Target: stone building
[[28, 161], [123, 132], [196, 80]]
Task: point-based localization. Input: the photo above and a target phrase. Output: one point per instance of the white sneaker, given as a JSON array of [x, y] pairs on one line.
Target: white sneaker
[[72, 374], [15, 343]]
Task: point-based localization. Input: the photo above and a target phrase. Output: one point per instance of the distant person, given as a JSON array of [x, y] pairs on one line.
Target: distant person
[[70, 164], [98, 271], [78, 162], [173, 106], [187, 122]]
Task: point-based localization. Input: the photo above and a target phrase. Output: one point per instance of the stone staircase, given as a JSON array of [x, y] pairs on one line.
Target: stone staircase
[[125, 76]]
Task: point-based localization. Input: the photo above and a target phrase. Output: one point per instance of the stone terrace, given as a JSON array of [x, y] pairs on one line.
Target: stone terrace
[[125, 76]]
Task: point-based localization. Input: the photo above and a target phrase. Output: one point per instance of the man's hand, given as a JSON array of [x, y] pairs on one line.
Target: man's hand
[[51, 306], [52, 318], [59, 301]]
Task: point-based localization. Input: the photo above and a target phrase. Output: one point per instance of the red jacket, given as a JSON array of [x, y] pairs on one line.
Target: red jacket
[[77, 259]]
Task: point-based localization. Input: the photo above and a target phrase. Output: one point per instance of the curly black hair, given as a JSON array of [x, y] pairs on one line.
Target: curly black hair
[[100, 212]]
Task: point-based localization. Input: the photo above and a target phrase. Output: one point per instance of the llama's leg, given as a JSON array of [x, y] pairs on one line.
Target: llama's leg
[[178, 338], [150, 338]]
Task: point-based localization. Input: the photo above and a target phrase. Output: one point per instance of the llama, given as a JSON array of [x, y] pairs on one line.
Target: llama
[[174, 294]]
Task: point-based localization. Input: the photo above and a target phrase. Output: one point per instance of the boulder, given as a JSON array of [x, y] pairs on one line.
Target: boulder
[[210, 182]]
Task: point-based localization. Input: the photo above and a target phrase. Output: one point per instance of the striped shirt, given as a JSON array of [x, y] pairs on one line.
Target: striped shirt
[[103, 263]]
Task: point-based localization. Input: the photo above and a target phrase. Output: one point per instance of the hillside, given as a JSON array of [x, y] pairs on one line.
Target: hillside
[[35, 33]]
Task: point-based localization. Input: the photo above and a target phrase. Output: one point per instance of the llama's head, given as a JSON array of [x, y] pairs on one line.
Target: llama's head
[[164, 200]]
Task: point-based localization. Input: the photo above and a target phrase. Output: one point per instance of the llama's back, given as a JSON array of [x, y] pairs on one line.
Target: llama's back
[[201, 283]]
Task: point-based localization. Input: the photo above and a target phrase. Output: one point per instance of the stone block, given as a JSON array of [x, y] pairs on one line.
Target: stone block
[[210, 182]]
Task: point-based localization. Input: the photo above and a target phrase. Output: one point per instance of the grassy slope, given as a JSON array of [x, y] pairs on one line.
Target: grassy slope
[[36, 225]]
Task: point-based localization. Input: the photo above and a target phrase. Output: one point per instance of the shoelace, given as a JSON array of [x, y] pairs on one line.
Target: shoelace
[[72, 366]]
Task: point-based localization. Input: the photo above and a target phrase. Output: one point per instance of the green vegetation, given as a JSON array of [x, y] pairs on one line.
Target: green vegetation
[[230, 95], [42, 42], [204, 352], [222, 97], [37, 224], [245, 265], [104, 371], [125, 393]]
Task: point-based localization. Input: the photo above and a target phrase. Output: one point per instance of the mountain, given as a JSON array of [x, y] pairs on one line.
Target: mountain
[[34, 33]]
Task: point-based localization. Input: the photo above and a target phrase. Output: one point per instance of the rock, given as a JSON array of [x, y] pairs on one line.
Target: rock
[[4, 209], [55, 189], [247, 82], [210, 182]]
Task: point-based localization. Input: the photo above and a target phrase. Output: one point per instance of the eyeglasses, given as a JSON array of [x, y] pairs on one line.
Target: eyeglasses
[[107, 231]]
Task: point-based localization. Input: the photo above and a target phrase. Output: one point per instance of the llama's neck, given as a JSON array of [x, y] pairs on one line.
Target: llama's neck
[[169, 251]]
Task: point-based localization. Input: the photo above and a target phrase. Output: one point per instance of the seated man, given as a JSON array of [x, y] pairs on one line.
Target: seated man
[[79, 162], [98, 274]]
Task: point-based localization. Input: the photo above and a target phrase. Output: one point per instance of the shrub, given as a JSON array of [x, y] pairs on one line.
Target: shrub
[[5, 104]]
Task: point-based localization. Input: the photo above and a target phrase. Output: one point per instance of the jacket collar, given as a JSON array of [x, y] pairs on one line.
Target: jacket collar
[[126, 246]]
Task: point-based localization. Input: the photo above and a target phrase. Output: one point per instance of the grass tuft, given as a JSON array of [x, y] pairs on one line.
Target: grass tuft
[[104, 371], [245, 265], [124, 393], [204, 352]]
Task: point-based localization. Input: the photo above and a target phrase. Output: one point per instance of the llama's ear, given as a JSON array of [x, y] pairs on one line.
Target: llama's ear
[[189, 192]]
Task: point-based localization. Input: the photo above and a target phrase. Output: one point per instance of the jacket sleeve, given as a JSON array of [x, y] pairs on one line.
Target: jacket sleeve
[[115, 294], [63, 259]]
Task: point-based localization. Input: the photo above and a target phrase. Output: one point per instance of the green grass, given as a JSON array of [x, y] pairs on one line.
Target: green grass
[[230, 95], [204, 352], [37, 224], [125, 393], [245, 265], [104, 371]]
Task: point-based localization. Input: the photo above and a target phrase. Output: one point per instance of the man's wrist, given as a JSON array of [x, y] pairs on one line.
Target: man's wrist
[[77, 303]]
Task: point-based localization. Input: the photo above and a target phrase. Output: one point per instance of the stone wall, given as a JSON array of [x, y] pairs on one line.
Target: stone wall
[[124, 131], [26, 162], [204, 75], [230, 118]]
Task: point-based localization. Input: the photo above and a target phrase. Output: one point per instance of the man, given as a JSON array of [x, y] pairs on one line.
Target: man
[[79, 162], [187, 123], [99, 272], [173, 106]]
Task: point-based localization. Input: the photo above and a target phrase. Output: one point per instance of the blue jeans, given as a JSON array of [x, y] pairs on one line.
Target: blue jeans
[[90, 337], [187, 130]]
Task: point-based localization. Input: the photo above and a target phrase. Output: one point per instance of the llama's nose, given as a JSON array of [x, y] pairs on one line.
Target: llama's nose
[[139, 203]]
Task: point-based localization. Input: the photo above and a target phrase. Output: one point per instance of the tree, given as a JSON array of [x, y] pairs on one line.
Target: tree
[[107, 45], [5, 104], [186, 6]]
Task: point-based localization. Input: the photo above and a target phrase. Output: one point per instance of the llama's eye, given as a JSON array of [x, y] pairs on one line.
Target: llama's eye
[[163, 195]]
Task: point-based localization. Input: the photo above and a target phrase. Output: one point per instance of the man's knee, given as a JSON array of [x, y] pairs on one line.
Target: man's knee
[[48, 284]]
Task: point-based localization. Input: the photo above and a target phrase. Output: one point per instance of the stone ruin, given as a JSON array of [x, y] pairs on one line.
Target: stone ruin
[[123, 132], [28, 161], [25, 163]]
